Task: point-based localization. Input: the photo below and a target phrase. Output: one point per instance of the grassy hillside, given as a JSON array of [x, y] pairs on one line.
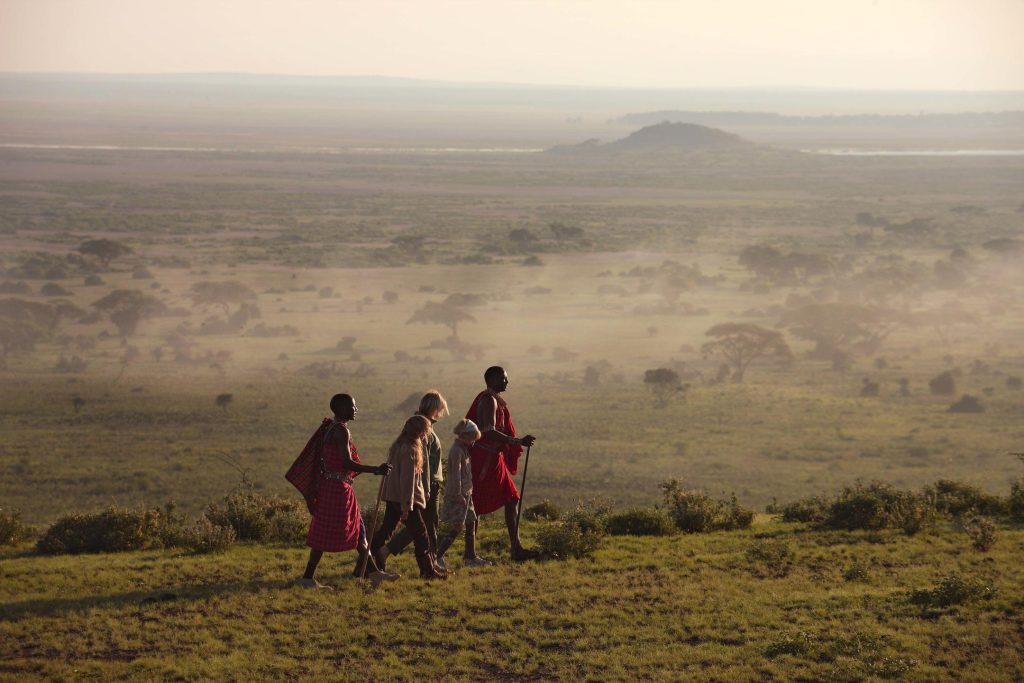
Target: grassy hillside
[[775, 602]]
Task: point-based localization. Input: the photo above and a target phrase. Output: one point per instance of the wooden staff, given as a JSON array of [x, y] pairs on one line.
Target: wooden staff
[[522, 488], [369, 535]]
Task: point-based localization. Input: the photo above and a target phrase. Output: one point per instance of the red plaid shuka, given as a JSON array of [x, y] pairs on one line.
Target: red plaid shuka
[[493, 462], [305, 471], [336, 523]]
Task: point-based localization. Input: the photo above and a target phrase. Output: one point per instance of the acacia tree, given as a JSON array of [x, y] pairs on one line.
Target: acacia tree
[[445, 314], [221, 294], [741, 343], [664, 383], [841, 327], [126, 308], [104, 250], [23, 324]]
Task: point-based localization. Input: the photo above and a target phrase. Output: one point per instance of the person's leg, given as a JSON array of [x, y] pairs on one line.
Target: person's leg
[[314, 560], [447, 540], [392, 515], [432, 514], [399, 542], [422, 544], [513, 530], [470, 552]]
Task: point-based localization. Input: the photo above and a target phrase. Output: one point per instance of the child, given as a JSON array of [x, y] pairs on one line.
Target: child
[[405, 496], [458, 497]]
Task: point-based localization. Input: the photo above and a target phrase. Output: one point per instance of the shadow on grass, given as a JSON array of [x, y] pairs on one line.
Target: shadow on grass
[[52, 607]]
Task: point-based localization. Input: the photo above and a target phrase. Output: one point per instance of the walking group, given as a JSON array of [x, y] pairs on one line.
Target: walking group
[[483, 457]]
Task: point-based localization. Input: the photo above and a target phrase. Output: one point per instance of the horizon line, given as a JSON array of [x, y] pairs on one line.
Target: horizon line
[[411, 80]]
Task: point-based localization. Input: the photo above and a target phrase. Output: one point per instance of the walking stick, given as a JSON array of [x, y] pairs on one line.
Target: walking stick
[[522, 488], [369, 535]]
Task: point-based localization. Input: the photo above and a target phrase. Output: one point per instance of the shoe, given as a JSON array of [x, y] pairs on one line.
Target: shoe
[[477, 562], [313, 583], [427, 569], [377, 578], [380, 560], [523, 555], [440, 565]]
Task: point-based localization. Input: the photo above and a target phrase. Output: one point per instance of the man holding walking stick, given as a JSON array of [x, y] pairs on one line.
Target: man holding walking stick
[[323, 473], [495, 457]]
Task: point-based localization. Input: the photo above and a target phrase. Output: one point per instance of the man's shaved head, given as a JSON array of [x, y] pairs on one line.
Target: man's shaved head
[[493, 373]]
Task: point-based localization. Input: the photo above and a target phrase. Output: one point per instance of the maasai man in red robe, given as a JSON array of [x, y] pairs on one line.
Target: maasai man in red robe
[[337, 525], [495, 457]]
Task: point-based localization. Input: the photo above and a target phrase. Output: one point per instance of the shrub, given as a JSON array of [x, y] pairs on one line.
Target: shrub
[[172, 528], [967, 404], [857, 571], [206, 537], [578, 535], [876, 505], [943, 384], [982, 532], [952, 590], [1015, 505], [812, 509], [957, 498], [111, 530], [769, 557], [695, 511], [790, 644], [640, 522], [543, 510], [251, 514], [12, 530], [289, 522]]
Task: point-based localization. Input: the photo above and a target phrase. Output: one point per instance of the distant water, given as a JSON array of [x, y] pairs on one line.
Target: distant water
[[304, 150], [918, 152]]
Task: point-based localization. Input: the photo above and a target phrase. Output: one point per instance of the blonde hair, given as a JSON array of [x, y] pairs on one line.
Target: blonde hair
[[409, 443], [433, 403], [466, 427]]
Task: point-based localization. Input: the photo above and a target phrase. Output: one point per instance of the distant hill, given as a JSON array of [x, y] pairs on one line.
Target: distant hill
[[755, 118], [664, 136]]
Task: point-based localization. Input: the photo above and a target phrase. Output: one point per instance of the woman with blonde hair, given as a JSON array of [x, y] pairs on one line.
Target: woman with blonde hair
[[404, 494], [433, 407]]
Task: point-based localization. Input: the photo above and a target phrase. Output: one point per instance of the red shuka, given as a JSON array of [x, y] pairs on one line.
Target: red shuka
[[494, 463], [335, 523]]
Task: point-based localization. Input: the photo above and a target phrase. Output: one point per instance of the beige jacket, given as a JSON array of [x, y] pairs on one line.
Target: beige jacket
[[404, 486]]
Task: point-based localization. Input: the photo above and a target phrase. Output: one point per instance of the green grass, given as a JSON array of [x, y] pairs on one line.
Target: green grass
[[686, 606]]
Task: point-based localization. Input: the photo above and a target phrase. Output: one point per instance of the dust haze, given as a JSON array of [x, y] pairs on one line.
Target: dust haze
[[771, 293]]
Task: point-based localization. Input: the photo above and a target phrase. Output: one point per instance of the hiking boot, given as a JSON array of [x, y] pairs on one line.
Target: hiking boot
[[440, 565], [377, 578], [427, 569], [313, 583], [476, 562], [523, 555]]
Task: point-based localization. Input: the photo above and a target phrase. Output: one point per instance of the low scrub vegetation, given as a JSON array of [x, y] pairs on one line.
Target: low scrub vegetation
[[640, 522], [695, 511], [12, 530], [578, 534]]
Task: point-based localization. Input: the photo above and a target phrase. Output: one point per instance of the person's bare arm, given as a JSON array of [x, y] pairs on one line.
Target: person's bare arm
[[340, 436], [487, 417]]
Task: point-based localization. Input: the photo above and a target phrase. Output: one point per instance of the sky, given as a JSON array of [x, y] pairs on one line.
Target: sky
[[861, 44]]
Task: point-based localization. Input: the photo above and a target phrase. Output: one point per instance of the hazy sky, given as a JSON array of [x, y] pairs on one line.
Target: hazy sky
[[936, 44]]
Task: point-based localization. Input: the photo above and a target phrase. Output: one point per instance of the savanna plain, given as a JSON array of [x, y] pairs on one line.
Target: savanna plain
[[777, 398]]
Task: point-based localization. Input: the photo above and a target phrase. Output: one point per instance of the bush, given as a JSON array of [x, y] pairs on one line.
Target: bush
[[772, 558], [952, 590], [942, 384], [289, 522], [967, 404], [875, 505], [111, 530], [640, 522], [543, 510], [578, 535], [812, 509], [206, 537], [1015, 505], [694, 511], [957, 498], [857, 571], [12, 530], [251, 514], [982, 532], [173, 529]]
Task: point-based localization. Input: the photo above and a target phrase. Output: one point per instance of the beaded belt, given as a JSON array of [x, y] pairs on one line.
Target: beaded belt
[[336, 476]]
